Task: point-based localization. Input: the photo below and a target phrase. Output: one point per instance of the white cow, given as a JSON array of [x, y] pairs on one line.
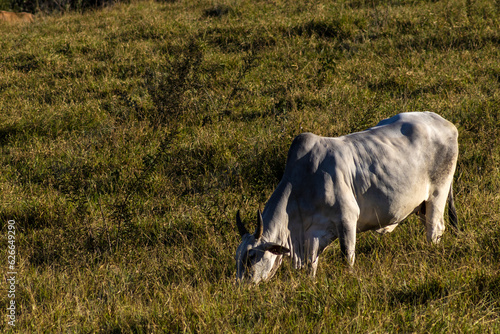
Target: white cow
[[335, 187]]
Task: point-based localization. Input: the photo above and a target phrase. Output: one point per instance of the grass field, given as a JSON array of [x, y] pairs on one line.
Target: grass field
[[131, 135]]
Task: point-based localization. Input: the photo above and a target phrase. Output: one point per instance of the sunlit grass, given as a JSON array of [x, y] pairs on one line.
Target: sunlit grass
[[131, 135]]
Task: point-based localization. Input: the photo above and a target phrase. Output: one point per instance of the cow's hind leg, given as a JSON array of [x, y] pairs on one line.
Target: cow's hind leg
[[434, 215]]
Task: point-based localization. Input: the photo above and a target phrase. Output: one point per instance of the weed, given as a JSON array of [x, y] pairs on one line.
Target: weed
[[131, 135]]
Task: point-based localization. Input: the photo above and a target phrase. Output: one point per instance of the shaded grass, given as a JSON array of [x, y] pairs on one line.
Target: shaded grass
[[130, 136]]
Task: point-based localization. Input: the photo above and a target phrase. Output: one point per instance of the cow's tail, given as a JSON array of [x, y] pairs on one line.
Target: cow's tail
[[452, 211]]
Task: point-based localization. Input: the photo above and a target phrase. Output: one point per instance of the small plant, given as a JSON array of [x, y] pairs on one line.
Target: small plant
[[168, 83]]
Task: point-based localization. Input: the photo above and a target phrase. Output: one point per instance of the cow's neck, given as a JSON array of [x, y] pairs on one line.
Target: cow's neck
[[275, 215]]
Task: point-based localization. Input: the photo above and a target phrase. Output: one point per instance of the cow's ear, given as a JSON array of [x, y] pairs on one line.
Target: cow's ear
[[276, 249]]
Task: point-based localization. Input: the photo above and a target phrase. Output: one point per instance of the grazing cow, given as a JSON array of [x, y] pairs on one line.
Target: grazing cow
[[335, 187], [16, 17]]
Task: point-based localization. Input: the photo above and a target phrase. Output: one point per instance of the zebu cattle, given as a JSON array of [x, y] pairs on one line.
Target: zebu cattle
[[333, 188]]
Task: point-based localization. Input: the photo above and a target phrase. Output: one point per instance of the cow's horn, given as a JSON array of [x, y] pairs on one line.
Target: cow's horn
[[260, 226], [239, 224]]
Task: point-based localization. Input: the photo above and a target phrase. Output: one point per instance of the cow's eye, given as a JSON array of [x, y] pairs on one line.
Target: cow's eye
[[251, 255]]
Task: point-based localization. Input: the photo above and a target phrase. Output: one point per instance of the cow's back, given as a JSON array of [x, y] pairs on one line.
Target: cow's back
[[425, 139], [414, 125]]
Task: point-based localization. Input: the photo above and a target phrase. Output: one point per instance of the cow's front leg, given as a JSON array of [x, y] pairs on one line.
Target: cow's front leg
[[312, 251], [347, 238], [346, 222], [313, 267]]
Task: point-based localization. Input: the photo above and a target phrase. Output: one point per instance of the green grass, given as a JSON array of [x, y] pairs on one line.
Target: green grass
[[130, 136]]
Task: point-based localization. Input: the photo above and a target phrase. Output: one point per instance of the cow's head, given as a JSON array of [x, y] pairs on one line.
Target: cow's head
[[256, 259]]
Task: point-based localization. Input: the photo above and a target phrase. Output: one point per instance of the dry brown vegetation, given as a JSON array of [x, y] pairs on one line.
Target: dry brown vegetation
[[10, 17]]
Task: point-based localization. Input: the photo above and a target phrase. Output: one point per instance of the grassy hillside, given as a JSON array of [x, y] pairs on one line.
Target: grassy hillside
[[130, 136]]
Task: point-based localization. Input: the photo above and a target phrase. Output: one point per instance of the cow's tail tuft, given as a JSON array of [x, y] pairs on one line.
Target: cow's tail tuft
[[452, 211]]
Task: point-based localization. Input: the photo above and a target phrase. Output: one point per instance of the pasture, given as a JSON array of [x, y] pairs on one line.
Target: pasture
[[131, 135]]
